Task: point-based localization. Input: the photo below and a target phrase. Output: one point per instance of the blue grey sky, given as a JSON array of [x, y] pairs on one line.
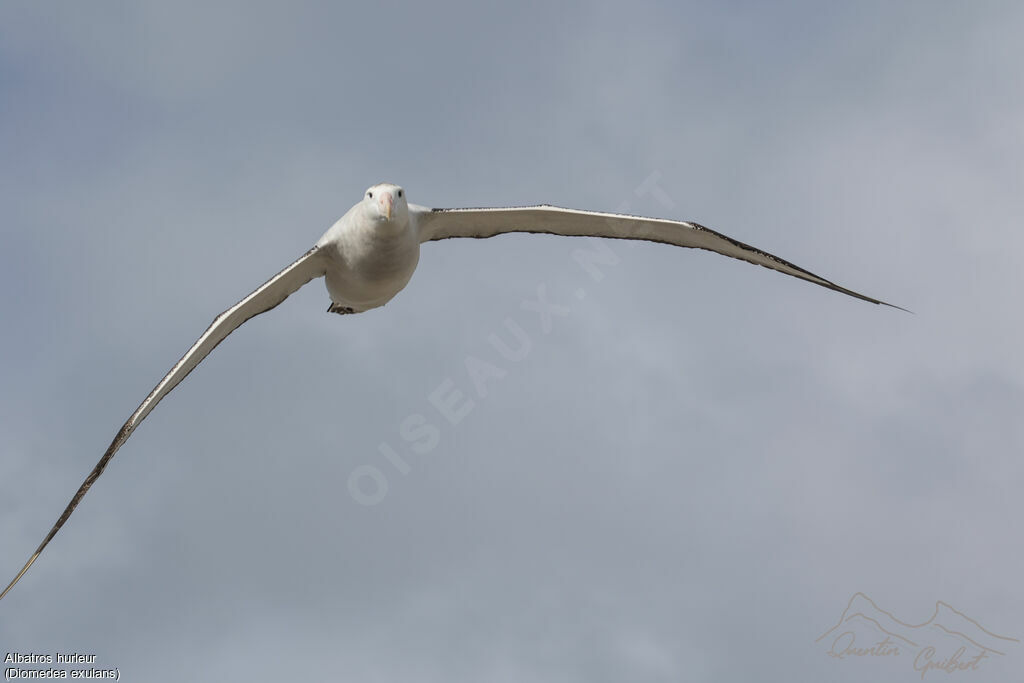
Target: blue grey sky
[[684, 477]]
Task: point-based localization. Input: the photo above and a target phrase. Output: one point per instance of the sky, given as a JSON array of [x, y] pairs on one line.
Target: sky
[[688, 472]]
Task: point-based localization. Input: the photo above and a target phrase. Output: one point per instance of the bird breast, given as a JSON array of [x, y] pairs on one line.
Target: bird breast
[[366, 271]]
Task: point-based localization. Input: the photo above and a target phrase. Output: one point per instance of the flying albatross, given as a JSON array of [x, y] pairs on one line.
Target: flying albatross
[[369, 255]]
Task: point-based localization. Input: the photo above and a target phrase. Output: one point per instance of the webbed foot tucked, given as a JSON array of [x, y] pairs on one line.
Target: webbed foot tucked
[[339, 309]]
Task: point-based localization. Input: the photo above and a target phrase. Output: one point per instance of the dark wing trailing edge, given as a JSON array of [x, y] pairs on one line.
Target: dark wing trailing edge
[[271, 293], [439, 224]]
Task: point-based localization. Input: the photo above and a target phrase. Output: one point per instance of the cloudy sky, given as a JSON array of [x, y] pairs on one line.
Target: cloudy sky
[[684, 477]]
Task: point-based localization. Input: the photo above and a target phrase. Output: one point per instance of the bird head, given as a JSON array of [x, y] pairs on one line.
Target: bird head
[[386, 203]]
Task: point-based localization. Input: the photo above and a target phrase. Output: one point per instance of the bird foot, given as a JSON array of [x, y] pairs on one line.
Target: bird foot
[[340, 310]]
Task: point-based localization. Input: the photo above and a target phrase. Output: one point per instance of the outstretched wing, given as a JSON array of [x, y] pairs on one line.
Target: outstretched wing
[[439, 224], [271, 293]]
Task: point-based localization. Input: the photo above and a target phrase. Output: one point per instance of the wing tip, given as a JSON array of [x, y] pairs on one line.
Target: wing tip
[[17, 578], [870, 300], [898, 308], [862, 297]]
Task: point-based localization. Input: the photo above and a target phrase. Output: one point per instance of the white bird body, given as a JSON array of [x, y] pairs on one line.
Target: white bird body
[[369, 255]]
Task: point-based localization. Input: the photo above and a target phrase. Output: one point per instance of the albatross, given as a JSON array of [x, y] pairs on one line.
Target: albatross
[[370, 253]]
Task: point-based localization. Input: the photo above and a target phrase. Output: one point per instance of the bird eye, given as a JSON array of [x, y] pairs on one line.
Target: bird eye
[[399, 193], [370, 195]]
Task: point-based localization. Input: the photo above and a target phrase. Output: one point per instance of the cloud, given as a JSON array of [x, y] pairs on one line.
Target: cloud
[[685, 478]]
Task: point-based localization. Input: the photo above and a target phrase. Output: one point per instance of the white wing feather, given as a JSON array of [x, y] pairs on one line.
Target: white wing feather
[[271, 293], [439, 224]]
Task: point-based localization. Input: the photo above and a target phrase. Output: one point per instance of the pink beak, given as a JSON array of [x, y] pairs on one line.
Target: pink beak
[[386, 203]]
